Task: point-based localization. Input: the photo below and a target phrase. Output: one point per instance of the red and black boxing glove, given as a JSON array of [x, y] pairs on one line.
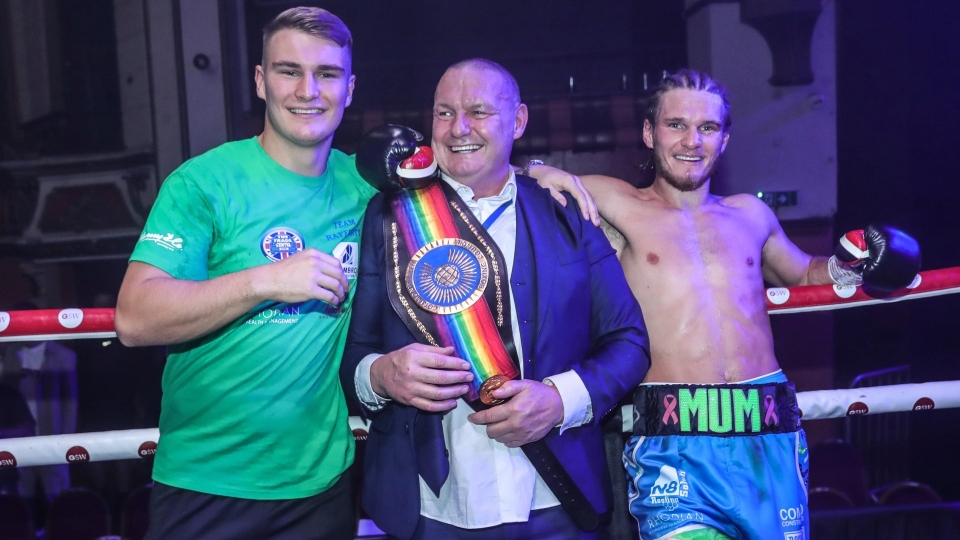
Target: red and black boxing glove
[[880, 257], [382, 152]]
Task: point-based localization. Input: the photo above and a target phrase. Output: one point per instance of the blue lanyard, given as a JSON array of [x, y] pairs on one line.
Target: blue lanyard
[[496, 213]]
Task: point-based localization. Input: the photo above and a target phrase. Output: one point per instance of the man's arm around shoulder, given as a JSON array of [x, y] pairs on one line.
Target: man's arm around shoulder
[[606, 190]]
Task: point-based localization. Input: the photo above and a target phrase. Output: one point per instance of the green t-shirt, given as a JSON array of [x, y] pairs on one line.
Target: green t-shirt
[[255, 410]]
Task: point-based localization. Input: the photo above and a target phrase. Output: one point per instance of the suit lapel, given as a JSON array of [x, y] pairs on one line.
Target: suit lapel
[[534, 265]]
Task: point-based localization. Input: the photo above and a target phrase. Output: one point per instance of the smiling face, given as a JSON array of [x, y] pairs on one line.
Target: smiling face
[[306, 82], [477, 115], [688, 138]]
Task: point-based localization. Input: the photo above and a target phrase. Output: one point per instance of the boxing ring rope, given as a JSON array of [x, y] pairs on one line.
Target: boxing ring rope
[[54, 324], [824, 297], [75, 323], [142, 443]]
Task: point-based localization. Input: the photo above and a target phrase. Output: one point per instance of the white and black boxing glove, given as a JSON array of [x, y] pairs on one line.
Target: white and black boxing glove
[[880, 257], [384, 149]]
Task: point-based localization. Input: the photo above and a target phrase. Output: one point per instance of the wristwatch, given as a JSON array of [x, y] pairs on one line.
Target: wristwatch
[[526, 168]]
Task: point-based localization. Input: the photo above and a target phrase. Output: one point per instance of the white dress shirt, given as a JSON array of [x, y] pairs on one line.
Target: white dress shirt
[[489, 483]]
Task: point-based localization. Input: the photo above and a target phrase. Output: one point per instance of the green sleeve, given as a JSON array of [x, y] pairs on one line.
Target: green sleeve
[[366, 189], [177, 235]]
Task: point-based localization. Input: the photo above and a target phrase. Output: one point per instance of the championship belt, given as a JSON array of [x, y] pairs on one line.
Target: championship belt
[[449, 284]]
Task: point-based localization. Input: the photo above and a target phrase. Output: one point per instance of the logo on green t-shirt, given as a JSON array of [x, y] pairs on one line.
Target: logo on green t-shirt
[[277, 314], [280, 243], [347, 252], [166, 241]]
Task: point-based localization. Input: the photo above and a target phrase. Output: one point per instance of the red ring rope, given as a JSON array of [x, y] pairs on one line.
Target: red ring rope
[[46, 324], [823, 297], [74, 323]]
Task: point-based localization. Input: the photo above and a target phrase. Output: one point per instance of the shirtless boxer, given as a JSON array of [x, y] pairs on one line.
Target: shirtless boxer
[[718, 451]]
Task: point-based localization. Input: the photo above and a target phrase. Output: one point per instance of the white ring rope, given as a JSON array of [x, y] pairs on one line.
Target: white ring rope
[[820, 404], [75, 323], [142, 443], [95, 446], [78, 447]]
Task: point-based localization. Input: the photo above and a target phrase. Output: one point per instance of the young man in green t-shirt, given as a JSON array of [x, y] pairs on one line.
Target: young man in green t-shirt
[[244, 269]]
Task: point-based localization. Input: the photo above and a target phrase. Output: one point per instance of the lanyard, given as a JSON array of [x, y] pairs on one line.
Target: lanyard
[[496, 213]]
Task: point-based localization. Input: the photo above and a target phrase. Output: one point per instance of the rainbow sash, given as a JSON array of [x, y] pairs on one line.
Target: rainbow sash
[[449, 281], [449, 286]]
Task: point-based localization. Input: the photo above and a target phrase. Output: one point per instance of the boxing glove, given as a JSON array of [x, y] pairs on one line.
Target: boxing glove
[[419, 169], [382, 151], [880, 257]]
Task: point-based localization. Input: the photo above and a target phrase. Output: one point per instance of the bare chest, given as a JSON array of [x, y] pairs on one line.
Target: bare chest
[[712, 245]]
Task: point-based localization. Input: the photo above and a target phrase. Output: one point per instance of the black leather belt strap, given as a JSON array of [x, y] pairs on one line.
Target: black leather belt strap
[[555, 476]]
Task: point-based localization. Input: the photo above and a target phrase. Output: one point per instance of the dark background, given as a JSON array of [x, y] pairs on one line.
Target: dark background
[[898, 71], [898, 91]]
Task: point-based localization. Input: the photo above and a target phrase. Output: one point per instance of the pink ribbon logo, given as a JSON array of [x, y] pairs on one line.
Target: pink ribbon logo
[[771, 417], [670, 402]]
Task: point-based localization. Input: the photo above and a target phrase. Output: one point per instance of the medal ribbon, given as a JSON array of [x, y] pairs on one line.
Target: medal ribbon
[[423, 216]]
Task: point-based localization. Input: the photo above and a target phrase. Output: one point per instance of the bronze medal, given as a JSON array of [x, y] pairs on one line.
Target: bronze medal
[[487, 388]]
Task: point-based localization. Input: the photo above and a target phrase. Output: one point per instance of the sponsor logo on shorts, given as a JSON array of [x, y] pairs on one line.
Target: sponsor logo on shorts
[[348, 254], [663, 519], [166, 241], [281, 242], [795, 535], [791, 517], [669, 487]]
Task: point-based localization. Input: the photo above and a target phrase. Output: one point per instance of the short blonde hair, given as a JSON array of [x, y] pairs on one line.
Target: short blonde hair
[[687, 79], [315, 21]]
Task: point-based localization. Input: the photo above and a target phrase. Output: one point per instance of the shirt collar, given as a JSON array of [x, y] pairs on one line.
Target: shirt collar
[[508, 193]]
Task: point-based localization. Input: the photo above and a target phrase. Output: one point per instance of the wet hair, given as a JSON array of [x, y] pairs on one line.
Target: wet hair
[[482, 63], [315, 21], [687, 79]]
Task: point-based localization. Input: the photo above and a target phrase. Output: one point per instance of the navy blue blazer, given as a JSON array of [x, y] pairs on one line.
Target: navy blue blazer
[[575, 311]]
